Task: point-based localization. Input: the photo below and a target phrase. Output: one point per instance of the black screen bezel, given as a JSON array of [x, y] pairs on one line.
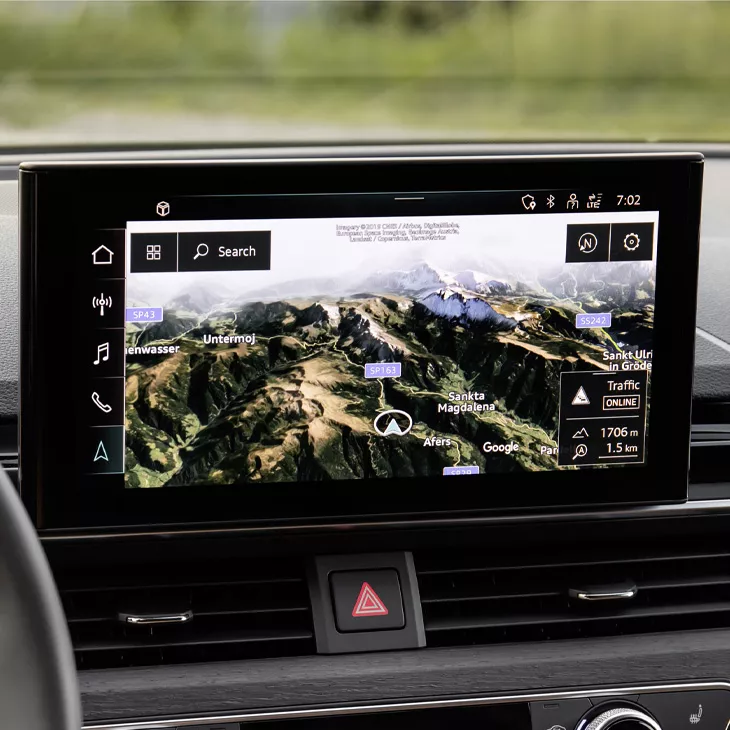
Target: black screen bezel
[[62, 202]]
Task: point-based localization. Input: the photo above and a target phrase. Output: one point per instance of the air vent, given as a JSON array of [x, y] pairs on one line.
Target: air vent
[[710, 454], [9, 461], [483, 599], [234, 610], [9, 447]]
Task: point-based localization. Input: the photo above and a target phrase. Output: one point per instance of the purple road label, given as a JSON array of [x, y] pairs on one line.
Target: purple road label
[[382, 369], [143, 314], [457, 471], [597, 319]]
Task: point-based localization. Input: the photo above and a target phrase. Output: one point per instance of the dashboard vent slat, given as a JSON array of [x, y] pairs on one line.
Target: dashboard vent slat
[[489, 598], [559, 561], [238, 611], [556, 618], [464, 599], [9, 447], [207, 640]]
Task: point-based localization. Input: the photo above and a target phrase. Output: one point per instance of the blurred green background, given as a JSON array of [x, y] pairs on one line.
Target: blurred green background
[[220, 72]]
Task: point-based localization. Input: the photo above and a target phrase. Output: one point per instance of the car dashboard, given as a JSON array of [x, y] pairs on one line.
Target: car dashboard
[[534, 612]]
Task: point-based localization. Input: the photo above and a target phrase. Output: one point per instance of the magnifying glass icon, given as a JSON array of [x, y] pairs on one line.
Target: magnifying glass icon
[[202, 250], [580, 451]]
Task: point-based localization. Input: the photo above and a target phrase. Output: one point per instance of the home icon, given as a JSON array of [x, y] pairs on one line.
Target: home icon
[[102, 256]]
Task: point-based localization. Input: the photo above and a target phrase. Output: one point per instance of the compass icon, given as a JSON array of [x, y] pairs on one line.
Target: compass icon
[[587, 243]]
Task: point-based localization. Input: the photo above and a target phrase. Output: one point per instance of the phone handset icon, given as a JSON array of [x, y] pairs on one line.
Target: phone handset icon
[[97, 402]]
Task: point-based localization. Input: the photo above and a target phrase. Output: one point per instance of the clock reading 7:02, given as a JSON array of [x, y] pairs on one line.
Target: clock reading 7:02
[[628, 200]]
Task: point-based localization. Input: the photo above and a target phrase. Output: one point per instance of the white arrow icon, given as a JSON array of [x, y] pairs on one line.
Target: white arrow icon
[[101, 453], [393, 427]]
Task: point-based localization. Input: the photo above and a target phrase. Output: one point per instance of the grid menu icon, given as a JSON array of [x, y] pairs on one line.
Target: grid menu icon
[[153, 252]]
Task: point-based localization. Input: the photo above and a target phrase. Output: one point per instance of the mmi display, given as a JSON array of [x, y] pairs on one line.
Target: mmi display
[[276, 344], [301, 350]]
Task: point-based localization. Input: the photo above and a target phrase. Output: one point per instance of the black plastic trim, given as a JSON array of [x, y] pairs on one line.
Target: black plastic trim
[[433, 704]]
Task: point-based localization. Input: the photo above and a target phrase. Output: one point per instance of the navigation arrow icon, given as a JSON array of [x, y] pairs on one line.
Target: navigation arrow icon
[[393, 427], [101, 454]]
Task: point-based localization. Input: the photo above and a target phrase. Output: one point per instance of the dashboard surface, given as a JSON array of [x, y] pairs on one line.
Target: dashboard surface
[[355, 679]]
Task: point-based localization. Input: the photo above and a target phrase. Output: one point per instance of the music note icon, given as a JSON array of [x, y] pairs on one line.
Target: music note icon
[[102, 350]]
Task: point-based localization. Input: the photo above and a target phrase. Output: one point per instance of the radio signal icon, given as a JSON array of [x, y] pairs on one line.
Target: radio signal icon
[[100, 302]]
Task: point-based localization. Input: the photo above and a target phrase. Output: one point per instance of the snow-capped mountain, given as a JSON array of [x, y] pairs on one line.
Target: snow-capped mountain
[[454, 304], [479, 282], [421, 278], [425, 277]]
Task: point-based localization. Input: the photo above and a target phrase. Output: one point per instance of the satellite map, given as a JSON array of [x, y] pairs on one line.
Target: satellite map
[[257, 377]]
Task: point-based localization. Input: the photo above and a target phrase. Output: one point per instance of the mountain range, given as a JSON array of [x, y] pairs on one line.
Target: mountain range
[[614, 283], [294, 404]]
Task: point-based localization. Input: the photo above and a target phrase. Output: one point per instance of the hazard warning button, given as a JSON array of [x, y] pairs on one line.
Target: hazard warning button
[[368, 603], [367, 600]]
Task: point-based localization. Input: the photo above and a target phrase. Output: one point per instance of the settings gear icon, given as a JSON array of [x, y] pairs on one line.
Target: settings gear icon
[[631, 242]]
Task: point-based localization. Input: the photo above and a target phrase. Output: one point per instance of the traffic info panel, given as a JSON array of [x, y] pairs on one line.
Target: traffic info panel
[[602, 417]]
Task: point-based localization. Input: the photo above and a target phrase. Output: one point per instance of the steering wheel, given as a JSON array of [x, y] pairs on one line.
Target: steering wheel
[[38, 683]]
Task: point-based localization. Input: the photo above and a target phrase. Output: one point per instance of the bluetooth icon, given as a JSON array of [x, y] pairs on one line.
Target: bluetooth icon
[[551, 201]]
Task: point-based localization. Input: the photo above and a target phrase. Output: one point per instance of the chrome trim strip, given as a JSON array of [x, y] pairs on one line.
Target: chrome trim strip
[[714, 340], [401, 706], [156, 619], [619, 714], [688, 154], [347, 148], [684, 509], [405, 148], [616, 592]]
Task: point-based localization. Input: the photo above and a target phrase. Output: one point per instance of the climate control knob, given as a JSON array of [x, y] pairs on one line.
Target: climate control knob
[[621, 718]]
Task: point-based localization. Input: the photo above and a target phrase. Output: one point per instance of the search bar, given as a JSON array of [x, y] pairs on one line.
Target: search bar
[[224, 251]]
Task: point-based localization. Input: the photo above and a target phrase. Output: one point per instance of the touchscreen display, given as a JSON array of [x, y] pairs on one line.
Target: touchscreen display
[[348, 348], [300, 342]]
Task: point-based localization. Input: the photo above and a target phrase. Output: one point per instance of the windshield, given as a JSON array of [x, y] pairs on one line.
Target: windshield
[[78, 73]]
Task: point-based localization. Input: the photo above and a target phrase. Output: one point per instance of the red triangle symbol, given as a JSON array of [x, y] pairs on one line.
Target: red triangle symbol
[[368, 603]]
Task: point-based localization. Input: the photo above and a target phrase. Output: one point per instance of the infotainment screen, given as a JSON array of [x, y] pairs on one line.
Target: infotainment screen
[[319, 347], [312, 349]]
